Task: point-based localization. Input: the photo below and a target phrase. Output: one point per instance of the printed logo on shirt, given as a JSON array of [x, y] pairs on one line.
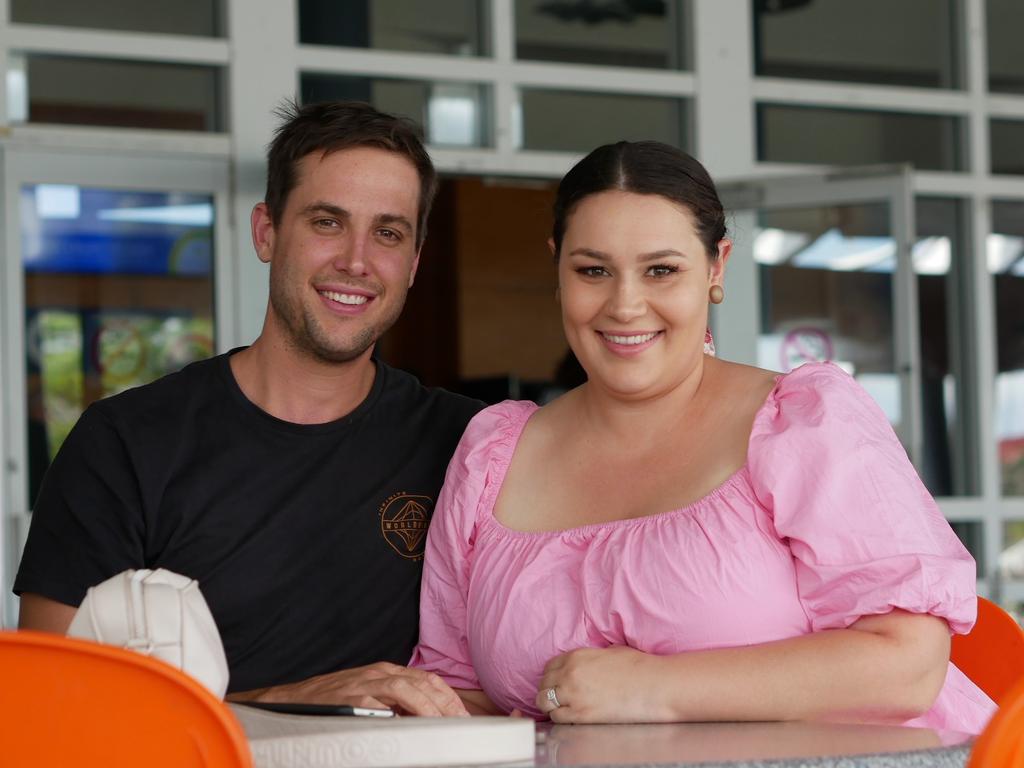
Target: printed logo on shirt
[[403, 523]]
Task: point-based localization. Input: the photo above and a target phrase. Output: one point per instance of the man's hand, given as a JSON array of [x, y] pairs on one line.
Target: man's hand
[[408, 691]]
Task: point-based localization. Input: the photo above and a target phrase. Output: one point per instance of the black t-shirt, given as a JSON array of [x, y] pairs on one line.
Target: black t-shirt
[[307, 540]]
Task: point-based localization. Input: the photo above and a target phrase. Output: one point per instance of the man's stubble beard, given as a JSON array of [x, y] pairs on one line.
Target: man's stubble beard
[[305, 333]]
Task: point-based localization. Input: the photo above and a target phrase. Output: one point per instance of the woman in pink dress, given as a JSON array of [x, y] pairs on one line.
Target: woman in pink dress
[[684, 538]]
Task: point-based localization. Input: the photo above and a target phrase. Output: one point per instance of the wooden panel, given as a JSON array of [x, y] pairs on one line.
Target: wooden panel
[[510, 321], [484, 300], [424, 340]]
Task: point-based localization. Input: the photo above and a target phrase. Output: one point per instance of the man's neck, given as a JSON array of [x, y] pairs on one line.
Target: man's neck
[[295, 387]]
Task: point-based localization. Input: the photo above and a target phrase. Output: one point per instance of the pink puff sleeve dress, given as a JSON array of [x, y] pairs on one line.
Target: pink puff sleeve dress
[[825, 523]]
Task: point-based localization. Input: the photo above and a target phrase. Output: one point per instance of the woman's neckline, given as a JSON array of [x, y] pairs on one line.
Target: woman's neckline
[[515, 433]]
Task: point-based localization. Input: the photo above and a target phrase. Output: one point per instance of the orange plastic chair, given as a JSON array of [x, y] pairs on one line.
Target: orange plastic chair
[[992, 655], [65, 701], [1001, 744]]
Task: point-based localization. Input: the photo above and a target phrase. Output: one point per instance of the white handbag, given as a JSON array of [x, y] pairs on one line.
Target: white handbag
[[160, 614]]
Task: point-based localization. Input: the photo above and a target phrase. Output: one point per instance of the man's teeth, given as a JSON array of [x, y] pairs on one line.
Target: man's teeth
[[642, 339], [345, 298]]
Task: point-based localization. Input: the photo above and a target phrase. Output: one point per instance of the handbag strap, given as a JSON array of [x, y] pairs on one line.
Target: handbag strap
[[154, 606]]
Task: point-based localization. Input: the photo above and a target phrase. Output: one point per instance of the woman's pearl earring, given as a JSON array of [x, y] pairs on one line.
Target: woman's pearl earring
[[716, 294]]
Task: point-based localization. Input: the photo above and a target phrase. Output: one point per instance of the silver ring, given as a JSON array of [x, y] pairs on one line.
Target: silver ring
[[551, 696]]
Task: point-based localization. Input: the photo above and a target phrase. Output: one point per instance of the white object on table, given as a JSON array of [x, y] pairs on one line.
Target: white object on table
[[286, 741]]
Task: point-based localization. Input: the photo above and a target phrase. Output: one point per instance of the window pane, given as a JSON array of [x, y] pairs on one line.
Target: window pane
[[1005, 63], [825, 276], [849, 137], [452, 114], [452, 27], [910, 42], [118, 292], [826, 281], [130, 94], [182, 17], [1007, 146], [936, 256], [1006, 263], [972, 536], [622, 34], [1011, 559], [574, 121]]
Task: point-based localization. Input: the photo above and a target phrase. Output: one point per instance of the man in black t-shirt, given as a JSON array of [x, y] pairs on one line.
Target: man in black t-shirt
[[294, 479]]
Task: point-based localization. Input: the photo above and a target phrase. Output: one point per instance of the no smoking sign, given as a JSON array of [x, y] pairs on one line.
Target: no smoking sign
[[805, 345]]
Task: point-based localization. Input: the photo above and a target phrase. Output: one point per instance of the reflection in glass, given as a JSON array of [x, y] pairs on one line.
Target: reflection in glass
[[1005, 20], [1006, 263], [912, 42], [452, 114], [183, 17], [972, 535], [118, 292], [577, 121], [1006, 144], [53, 346], [130, 94], [826, 294], [789, 134], [1011, 559], [825, 276], [619, 34], [936, 258], [452, 27]]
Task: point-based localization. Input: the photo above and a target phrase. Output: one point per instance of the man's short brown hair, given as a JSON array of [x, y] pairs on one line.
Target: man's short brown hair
[[331, 126]]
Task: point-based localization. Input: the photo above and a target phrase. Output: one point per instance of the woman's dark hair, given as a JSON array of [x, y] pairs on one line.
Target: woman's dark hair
[[646, 168], [336, 125]]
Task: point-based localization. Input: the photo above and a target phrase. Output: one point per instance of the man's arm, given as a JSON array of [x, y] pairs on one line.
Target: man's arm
[[377, 685], [44, 615], [410, 691]]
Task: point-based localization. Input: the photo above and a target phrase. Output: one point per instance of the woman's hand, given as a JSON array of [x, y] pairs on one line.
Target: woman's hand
[[603, 685]]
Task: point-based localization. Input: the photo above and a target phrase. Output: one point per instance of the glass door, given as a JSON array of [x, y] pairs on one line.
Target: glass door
[[114, 274], [823, 269]]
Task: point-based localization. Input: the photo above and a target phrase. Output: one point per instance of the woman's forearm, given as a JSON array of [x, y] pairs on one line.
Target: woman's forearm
[[478, 702], [882, 667]]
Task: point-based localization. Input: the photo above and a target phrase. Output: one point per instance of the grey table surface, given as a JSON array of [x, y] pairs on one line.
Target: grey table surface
[[291, 741], [750, 745]]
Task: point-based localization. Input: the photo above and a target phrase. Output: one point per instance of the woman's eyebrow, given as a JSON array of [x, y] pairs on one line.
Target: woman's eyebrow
[[591, 253], [664, 253]]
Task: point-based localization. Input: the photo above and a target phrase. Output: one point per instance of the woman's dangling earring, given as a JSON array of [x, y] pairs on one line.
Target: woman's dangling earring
[[716, 294], [709, 343]]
